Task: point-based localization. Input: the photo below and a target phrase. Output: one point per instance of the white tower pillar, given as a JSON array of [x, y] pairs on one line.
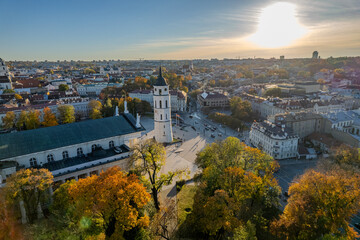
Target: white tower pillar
[[162, 111]]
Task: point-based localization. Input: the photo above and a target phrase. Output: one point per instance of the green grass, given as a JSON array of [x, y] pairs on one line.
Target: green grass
[[185, 200]]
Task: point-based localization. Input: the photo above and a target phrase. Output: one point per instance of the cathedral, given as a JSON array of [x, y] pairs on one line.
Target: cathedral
[[162, 111]]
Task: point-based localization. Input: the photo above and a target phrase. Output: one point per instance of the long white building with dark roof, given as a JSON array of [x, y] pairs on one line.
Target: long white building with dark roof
[[278, 142], [71, 151]]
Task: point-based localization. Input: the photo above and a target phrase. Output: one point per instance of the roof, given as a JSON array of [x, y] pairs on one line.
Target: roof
[[208, 95], [42, 139], [160, 81], [4, 79], [273, 131]]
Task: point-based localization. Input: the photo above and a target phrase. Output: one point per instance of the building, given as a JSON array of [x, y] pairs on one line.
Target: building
[[278, 142], [5, 79], [162, 111], [91, 89], [71, 151], [315, 55], [213, 100], [110, 70], [302, 124], [178, 98]]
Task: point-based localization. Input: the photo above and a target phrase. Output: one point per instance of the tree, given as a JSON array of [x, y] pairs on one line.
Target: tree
[[66, 113], [321, 81], [240, 109], [8, 91], [18, 96], [95, 109], [107, 109], [149, 158], [33, 119], [29, 185], [320, 204], [113, 200], [273, 92], [89, 70], [63, 87], [9, 120], [49, 118], [21, 121]]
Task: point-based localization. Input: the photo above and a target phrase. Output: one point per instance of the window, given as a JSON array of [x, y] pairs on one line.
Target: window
[[166, 104], [79, 152], [33, 162], [111, 144], [160, 105], [159, 91], [166, 116], [93, 147], [65, 154], [160, 116], [165, 89], [50, 158], [155, 104]]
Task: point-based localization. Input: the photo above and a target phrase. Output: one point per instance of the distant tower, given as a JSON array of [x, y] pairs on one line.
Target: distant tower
[[315, 55], [5, 80], [162, 111]]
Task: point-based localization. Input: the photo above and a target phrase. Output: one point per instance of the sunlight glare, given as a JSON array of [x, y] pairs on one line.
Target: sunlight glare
[[278, 26]]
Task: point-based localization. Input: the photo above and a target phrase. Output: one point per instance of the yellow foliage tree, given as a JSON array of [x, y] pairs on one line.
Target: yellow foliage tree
[[320, 204], [33, 119], [49, 118], [9, 120], [113, 199], [95, 109]]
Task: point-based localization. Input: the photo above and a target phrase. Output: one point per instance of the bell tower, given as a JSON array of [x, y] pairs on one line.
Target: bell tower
[[162, 111]]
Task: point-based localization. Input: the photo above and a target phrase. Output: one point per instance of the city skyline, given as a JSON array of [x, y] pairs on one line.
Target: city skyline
[[87, 30]]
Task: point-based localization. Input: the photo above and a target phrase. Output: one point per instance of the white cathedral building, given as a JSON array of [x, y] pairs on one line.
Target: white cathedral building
[[162, 111]]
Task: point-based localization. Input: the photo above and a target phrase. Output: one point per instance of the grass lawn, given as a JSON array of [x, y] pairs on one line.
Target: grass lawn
[[185, 200]]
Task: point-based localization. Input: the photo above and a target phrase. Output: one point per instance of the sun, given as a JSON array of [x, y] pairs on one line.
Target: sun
[[278, 26]]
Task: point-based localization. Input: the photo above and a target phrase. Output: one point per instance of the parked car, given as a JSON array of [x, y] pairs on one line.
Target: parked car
[[117, 150], [213, 135], [286, 194], [220, 134], [357, 225]]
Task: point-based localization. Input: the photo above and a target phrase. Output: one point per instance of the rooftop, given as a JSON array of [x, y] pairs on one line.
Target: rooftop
[[42, 139]]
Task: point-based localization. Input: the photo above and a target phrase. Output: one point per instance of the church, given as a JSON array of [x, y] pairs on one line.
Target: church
[[162, 111], [71, 151]]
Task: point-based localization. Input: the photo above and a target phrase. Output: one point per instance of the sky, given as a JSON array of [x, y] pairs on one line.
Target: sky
[[170, 29]]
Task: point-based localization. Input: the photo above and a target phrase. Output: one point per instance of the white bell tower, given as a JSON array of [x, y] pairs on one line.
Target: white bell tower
[[162, 111]]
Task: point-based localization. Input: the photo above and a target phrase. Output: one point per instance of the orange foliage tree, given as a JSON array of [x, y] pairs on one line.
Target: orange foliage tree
[[111, 200], [49, 118], [320, 204]]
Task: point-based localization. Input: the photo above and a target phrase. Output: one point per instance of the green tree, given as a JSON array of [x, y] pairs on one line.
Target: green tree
[[148, 158], [8, 91], [9, 120], [240, 109], [63, 87], [273, 92], [29, 185], [66, 113]]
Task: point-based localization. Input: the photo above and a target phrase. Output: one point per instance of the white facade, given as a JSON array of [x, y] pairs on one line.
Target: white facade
[[178, 98], [274, 140], [5, 80], [162, 114], [91, 89]]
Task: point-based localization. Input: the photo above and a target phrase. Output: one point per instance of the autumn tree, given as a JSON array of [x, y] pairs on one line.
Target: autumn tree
[[107, 109], [148, 158], [240, 109], [113, 200], [33, 119], [21, 120], [89, 71], [49, 118], [29, 185], [66, 113], [95, 109], [320, 204], [9, 120], [320, 81], [237, 191], [18, 96]]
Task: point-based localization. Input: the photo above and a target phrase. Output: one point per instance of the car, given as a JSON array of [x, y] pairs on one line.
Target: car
[[117, 150], [207, 129], [205, 124], [214, 128], [191, 116], [213, 135], [220, 134], [193, 128], [286, 194]]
